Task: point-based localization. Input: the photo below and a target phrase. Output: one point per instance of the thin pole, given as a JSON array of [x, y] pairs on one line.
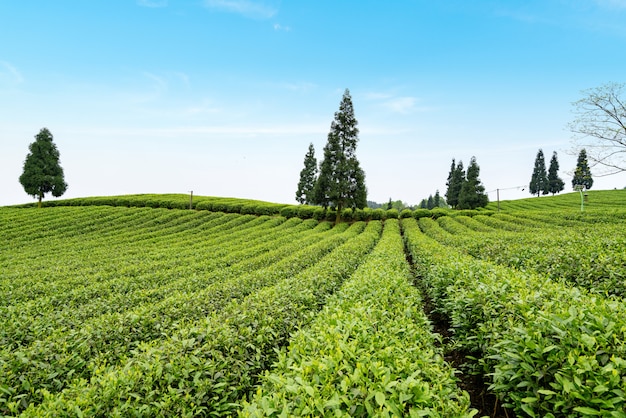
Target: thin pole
[[498, 194], [191, 199]]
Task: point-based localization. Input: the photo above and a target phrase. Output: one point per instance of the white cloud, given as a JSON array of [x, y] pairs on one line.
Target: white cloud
[[279, 27], [152, 3], [400, 104], [9, 72], [246, 8]]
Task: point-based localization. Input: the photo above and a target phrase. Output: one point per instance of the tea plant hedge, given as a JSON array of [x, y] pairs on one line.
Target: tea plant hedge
[[549, 349], [205, 366], [370, 352]]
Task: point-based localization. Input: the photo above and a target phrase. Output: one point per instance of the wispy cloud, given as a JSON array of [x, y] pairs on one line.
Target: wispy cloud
[[394, 103], [612, 4], [302, 87], [279, 27], [401, 104], [9, 72], [152, 3], [247, 8]]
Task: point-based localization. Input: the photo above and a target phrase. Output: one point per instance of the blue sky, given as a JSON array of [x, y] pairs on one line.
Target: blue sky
[[223, 97]]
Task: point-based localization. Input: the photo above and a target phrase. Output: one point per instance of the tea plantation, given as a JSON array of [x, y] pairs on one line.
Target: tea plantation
[[139, 306]]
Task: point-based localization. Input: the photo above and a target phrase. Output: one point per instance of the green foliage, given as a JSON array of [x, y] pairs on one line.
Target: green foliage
[[215, 362], [555, 183], [135, 311], [341, 181], [582, 173], [369, 352], [391, 214], [308, 175], [378, 214], [550, 349], [456, 178], [289, 211], [42, 169], [472, 194], [306, 212], [406, 213], [539, 181], [421, 213], [347, 214]]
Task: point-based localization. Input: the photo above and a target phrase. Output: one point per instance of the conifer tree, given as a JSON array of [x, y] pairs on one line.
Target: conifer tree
[[582, 174], [456, 178], [341, 181], [449, 181], [539, 180], [437, 199], [472, 193], [42, 169], [430, 203], [555, 183], [308, 176]]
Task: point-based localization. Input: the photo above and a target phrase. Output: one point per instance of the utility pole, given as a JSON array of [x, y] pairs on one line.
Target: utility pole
[[508, 188], [191, 199]]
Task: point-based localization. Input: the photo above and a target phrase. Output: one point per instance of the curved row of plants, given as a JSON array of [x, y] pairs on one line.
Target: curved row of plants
[[67, 306], [549, 349], [589, 256], [256, 207], [60, 264], [369, 352], [206, 365], [57, 353]]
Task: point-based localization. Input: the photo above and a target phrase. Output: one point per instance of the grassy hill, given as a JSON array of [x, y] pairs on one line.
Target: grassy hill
[[138, 306]]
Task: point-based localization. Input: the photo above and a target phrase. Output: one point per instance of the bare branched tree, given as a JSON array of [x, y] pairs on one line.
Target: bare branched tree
[[600, 127]]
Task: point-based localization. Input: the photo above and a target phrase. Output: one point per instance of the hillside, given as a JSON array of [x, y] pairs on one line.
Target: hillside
[[136, 305]]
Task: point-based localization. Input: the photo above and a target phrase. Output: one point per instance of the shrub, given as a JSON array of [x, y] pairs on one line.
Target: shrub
[[421, 213], [289, 211], [319, 214], [306, 211], [406, 213], [378, 214], [347, 215], [391, 214]]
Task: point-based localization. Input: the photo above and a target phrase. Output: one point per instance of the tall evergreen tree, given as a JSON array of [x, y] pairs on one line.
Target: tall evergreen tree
[[539, 180], [582, 174], [472, 193], [450, 181], [42, 169], [308, 176], [555, 183], [341, 181], [455, 183]]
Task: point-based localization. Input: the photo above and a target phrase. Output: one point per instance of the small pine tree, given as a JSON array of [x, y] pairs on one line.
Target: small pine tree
[[308, 176], [582, 174], [437, 199], [539, 180], [555, 183], [42, 169], [430, 203], [472, 193]]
